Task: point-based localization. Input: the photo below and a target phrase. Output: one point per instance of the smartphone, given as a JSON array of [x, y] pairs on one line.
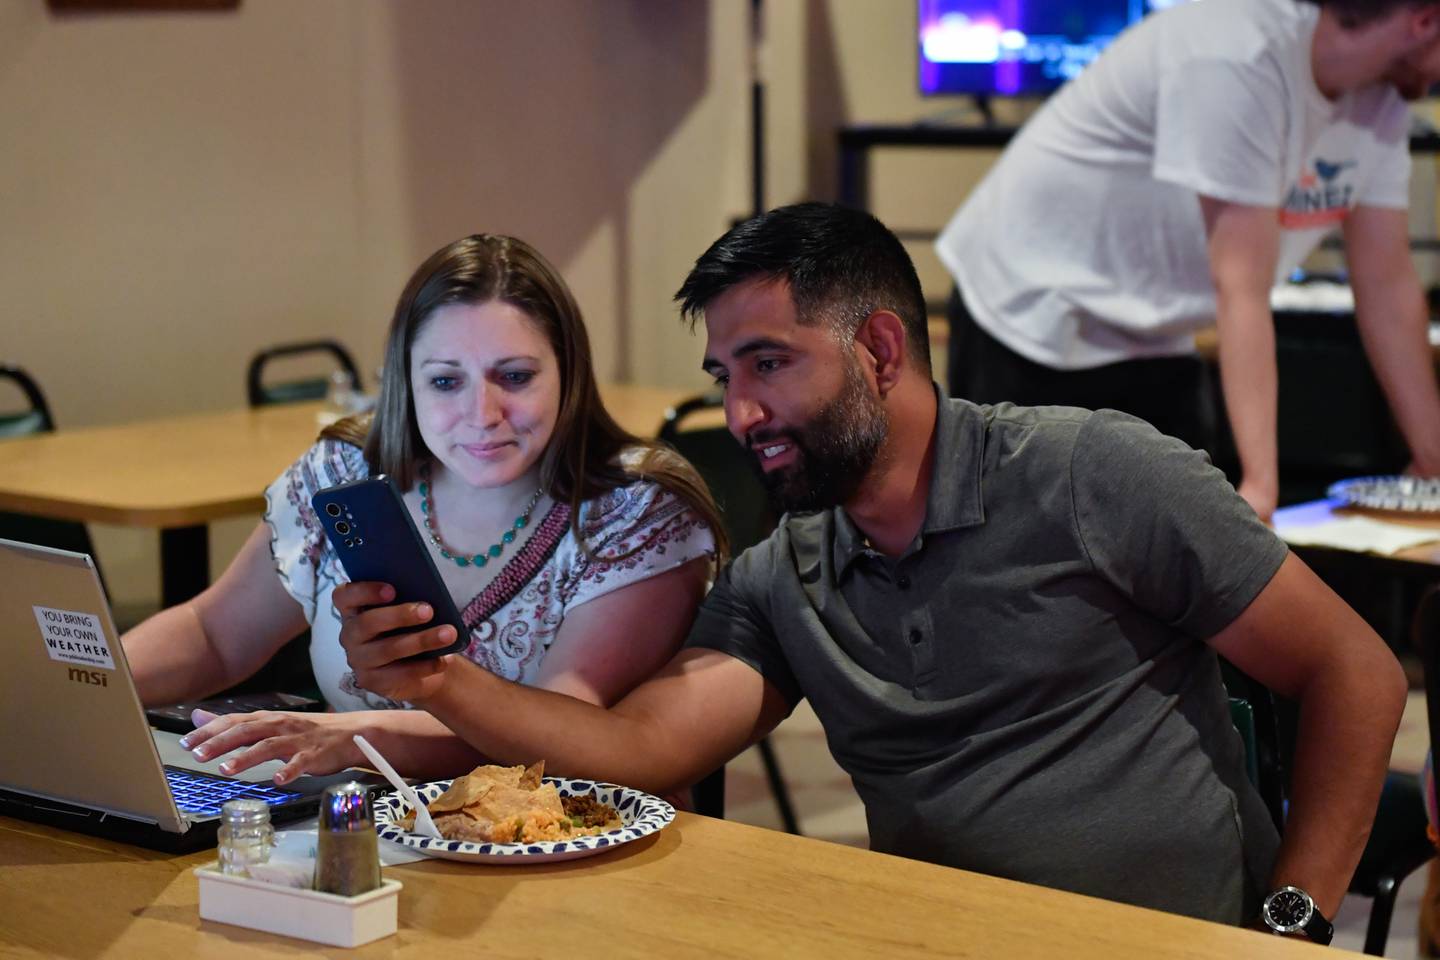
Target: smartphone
[[370, 528]]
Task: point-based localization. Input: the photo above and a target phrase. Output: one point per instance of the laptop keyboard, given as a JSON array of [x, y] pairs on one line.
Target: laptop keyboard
[[201, 795]]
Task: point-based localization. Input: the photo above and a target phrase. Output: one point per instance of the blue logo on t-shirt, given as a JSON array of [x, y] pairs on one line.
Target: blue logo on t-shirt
[[1328, 171]]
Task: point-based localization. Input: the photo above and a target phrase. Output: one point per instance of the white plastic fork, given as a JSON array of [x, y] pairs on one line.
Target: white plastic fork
[[423, 824]]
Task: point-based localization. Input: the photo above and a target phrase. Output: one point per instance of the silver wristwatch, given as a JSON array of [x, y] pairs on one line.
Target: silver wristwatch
[[1291, 910]]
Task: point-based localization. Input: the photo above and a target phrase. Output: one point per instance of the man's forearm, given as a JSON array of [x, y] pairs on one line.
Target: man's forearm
[[510, 723], [418, 744], [1249, 383], [1394, 324], [1347, 727]]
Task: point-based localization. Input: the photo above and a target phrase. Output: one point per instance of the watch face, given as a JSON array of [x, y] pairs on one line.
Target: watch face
[[1288, 909]]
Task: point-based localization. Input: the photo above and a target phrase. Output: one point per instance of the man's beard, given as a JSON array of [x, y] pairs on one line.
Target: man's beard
[[1410, 86], [1409, 81], [834, 450]]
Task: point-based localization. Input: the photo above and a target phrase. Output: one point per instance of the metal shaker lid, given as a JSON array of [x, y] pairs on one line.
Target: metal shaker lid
[[244, 813], [346, 806]]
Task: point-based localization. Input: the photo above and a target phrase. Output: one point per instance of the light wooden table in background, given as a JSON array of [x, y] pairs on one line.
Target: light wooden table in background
[[1422, 561], [178, 474], [699, 888]]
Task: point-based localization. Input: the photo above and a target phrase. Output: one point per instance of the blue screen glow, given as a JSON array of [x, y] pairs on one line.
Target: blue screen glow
[[1013, 47]]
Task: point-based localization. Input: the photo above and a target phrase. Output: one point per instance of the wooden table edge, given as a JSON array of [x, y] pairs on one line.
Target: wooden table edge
[[132, 516]]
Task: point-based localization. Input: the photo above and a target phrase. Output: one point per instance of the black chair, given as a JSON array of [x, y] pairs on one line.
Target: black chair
[[292, 391], [1398, 844], [36, 418], [1254, 711], [289, 670], [724, 465], [744, 504]]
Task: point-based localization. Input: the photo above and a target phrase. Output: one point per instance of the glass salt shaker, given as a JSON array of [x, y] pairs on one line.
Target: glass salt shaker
[[347, 849], [246, 836]]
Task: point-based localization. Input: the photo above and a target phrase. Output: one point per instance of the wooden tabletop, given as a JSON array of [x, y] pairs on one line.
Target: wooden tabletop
[[700, 888], [190, 470]]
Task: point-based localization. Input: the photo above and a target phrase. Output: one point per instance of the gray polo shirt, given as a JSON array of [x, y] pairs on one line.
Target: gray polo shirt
[[1026, 692]]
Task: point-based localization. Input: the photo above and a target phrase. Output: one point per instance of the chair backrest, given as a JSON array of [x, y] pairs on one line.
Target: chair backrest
[[744, 505], [1242, 714], [1426, 637], [726, 469], [1258, 718], [36, 418], [291, 391]]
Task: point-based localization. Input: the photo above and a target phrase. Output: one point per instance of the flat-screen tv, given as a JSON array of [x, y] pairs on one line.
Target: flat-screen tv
[[1016, 47]]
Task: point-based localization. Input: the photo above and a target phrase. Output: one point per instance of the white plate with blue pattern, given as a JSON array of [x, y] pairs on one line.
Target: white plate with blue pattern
[[1401, 494], [640, 813]]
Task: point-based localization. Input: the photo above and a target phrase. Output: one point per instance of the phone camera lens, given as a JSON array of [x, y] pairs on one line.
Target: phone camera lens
[[359, 542], [333, 509], [341, 527], [349, 543]]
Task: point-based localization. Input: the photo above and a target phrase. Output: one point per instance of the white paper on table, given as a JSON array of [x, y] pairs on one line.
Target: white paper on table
[[1315, 296], [299, 836], [392, 853], [1358, 533]]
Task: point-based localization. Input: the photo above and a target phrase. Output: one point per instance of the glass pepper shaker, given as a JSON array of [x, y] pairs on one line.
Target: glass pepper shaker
[[347, 849], [246, 836]]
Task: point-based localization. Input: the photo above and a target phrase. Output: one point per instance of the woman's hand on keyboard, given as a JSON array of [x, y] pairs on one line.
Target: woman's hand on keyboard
[[304, 742]]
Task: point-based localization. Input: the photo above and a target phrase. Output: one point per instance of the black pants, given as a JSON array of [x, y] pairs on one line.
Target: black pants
[[1173, 393]]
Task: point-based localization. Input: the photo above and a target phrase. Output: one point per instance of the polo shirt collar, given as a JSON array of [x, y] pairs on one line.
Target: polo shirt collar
[[953, 500]]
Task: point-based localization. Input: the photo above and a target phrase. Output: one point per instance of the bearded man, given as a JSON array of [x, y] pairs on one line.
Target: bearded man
[[1007, 619]]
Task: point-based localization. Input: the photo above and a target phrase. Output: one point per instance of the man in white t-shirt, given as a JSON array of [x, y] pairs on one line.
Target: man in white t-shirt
[[1170, 186]]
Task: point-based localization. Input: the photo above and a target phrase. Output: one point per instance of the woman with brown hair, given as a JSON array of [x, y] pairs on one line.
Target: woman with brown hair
[[576, 553]]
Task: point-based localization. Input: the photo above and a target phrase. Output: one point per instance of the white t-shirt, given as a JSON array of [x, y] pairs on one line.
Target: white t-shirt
[[1084, 244], [634, 532]]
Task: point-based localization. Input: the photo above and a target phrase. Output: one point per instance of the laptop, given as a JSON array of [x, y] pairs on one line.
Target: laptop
[[76, 750]]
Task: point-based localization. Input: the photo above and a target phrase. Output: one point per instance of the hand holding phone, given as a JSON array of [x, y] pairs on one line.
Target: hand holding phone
[[370, 528]]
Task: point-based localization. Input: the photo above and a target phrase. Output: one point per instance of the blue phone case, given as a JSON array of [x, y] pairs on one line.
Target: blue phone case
[[370, 528]]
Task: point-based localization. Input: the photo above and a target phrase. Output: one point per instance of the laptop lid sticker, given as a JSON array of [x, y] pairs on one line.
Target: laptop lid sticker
[[74, 637]]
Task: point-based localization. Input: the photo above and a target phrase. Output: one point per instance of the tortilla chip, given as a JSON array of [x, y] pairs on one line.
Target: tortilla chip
[[462, 793], [470, 789], [509, 776], [507, 803], [533, 776]]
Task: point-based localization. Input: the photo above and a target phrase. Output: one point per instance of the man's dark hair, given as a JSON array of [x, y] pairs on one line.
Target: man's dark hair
[[841, 265], [1357, 13]]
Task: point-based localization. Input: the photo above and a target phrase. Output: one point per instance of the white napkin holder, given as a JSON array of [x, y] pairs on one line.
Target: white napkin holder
[[305, 914]]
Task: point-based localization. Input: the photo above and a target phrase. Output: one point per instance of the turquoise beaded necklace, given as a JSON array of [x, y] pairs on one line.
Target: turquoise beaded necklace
[[427, 507]]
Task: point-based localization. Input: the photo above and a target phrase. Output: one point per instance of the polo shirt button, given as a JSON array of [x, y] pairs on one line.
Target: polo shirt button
[[916, 636], [903, 583]]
